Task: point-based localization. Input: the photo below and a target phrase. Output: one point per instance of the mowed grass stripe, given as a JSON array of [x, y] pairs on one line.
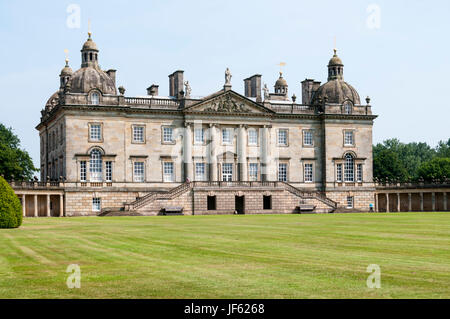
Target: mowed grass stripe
[[267, 256]]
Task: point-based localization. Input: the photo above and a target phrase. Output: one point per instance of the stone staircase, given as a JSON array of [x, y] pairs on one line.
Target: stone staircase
[[138, 206]]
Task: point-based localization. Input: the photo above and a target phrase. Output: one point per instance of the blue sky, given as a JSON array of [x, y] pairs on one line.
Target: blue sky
[[403, 65]]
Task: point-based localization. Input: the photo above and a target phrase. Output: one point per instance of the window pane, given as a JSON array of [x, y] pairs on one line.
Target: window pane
[[138, 134], [252, 137], [168, 171], [96, 204], [349, 201], [339, 172], [226, 136], [95, 166], [83, 171], [253, 171], [108, 173], [95, 99], [200, 172], [199, 135], [167, 134], [227, 172], [282, 137], [282, 172], [138, 171], [308, 138], [308, 172], [95, 132], [349, 169], [359, 173], [348, 138]]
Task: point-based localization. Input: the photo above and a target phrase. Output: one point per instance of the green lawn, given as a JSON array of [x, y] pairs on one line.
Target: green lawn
[[268, 256]]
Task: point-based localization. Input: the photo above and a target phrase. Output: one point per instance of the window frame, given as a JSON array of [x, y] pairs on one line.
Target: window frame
[[197, 129], [350, 202], [108, 171], [250, 172], [249, 142], [349, 172], [198, 177], [229, 131], [339, 173], [359, 173], [91, 98], [310, 174], [83, 171], [286, 144], [286, 178], [90, 126], [228, 174], [172, 175], [133, 136], [96, 201], [163, 135], [135, 179], [352, 134], [305, 132]]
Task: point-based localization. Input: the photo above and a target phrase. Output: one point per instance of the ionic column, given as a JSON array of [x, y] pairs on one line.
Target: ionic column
[[212, 160], [24, 207], [242, 153], [398, 202], [387, 202], [35, 206], [61, 205], [264, 149], [433, 201], [409, 202], [187, 151], [421, 201], [48, 205]]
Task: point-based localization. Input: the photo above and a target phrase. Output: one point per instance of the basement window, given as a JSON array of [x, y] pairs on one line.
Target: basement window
[[267, 202], [212, 203]]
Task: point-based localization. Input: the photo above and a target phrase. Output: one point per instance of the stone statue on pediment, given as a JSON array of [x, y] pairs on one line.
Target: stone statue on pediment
[[227, 77]]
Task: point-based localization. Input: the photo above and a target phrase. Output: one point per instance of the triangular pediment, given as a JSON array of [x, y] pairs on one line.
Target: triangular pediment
[[227, 102]]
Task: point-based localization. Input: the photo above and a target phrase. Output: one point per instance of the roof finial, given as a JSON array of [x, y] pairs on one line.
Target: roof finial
[[335, 50], [67, 56], [281, 64], [89, 28]]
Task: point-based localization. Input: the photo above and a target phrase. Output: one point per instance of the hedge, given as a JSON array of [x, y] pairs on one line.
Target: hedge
[[10, 207]]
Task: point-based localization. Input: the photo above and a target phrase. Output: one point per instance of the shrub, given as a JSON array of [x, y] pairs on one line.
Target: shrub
[[10, 207]]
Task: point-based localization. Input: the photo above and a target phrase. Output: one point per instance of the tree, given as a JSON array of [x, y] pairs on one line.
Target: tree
[[14, 162], [387, 164], [443, 149], [10, 207], [437, 168]]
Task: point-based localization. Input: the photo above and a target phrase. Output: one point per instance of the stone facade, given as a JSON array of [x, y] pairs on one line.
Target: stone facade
[[118, 152]]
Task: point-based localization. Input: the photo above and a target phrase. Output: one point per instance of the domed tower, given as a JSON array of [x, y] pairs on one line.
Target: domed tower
[[281, 86], [65, 75], [336, 90], [90, 77], [89, 53], [335, 68]]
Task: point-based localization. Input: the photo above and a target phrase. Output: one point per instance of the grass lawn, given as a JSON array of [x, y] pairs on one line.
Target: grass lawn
[[268, 256]]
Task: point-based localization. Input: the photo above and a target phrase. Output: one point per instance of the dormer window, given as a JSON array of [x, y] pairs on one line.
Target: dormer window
[[95, 98], [347, 108]]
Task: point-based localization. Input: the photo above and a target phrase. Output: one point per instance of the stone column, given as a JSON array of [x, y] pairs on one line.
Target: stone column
[[212, 161], [187, 152], [445, 200], [242, 153], [264, 149], [35, 206], [48, 205], [398, 202], [409, 202], [387, 202], [377, 209], [433, 201], [61, 205], [421, 201], [24, 205]]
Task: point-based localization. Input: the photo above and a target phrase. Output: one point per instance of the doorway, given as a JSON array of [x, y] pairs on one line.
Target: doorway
[[239, 204]]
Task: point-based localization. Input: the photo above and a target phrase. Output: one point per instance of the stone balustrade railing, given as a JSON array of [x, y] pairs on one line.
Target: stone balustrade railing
[[420, 183], [152, 102]]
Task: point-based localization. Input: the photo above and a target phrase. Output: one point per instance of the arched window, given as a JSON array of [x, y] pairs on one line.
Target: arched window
[[347, 108], [95, 166], [349, 168], [90, 56], [95, 98]]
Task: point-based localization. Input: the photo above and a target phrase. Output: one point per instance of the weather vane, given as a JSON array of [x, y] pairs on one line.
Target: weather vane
[[66, 52], [334, 47], [281, 64], [89, 28]]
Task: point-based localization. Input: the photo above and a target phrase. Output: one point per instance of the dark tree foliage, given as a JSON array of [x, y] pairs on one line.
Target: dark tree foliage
[[396, 160], [437, 168], [10, 208], [14, 162]]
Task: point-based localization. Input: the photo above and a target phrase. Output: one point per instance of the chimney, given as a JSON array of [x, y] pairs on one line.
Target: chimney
[[309, 86], [112, 74], [153, 90], [252, 86], [176, 84]]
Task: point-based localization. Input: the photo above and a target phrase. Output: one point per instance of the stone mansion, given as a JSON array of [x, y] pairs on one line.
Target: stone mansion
[[225, 153]]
